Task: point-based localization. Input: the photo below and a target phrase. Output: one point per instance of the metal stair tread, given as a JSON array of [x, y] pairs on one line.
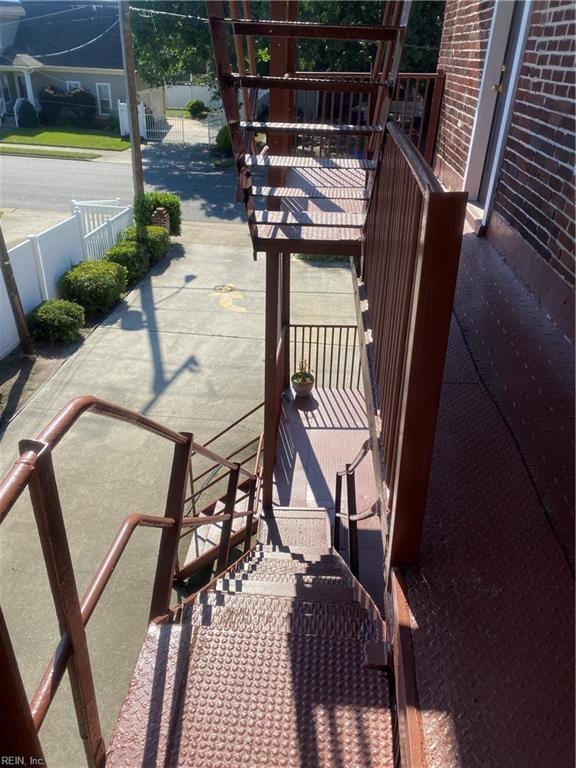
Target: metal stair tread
[[297, 686], [311, 29], [306, 233], [311, 192], [289, 161], [247, 618], [324, 128], [295, 590]]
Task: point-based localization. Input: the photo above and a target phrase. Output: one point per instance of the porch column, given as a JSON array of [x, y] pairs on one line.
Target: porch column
[[29, 89]]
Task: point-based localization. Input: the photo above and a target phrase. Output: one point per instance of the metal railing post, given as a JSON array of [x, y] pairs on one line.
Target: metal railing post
[[337, 510], [168, 551], [227, 524], [352, 524], [17, 731], [249, 518], [48, 514]]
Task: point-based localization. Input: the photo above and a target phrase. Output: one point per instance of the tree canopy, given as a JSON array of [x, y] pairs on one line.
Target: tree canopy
[[169, 48]]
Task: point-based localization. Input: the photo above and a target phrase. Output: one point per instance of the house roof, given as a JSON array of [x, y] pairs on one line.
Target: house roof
[[53, 27]]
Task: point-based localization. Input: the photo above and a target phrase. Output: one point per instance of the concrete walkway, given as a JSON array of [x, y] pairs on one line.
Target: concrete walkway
[[186, 353]]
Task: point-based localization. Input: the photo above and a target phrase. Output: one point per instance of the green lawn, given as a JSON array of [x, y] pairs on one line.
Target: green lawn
[[32, 152], [79, 138], [176, 112]]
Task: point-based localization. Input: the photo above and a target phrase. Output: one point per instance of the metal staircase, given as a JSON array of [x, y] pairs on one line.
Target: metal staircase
[[318, 174], [280, 661]]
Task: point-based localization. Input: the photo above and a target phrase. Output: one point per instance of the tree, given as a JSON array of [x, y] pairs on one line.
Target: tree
[[170, 48], [423, 36]]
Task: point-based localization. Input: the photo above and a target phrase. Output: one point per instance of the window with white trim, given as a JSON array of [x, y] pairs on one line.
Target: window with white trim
[[104, 96], [71, 85]]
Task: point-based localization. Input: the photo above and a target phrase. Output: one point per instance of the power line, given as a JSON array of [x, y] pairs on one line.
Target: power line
[[44, 16], [149, 12], [70, 50]]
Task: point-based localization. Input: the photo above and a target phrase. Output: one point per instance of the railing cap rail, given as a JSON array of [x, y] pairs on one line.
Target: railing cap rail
[[18, 475]]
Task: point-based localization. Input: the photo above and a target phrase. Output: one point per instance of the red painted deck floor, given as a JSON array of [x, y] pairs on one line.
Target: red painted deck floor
[[492, 600]]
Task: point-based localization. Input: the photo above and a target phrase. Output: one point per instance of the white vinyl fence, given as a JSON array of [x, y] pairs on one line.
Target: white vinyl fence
[[40, 261], [177, 96]]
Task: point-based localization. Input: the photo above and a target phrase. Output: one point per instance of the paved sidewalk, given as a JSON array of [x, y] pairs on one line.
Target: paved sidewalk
[[183, 352], [18, 223]]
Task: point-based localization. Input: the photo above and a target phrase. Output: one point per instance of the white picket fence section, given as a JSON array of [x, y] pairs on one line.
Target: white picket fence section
[[40, 261], [97, 242], [93, 213]]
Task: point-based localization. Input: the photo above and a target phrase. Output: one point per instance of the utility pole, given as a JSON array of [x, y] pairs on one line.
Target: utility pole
[[131, 96], [14, 299]]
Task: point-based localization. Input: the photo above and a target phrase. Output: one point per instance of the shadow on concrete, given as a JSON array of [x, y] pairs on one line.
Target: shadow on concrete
[[145, 319]]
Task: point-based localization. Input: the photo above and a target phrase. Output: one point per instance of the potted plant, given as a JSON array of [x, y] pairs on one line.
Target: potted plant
[[302, 380]]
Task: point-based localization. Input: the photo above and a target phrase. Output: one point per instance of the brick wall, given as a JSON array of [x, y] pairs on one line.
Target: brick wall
[[464, 39], [535, 193]]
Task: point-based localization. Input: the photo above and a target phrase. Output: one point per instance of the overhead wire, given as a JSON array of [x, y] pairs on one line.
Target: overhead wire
[[152, 12], [71, 50], [44, 16]]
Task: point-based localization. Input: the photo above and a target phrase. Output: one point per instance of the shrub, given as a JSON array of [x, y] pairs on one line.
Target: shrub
[[146, 204], [196, 108], [156, 240], [56, 320], [80, 103], [132, 255], [27, 115], [223, 141], [67, 118], [157, 243], [96, 285]]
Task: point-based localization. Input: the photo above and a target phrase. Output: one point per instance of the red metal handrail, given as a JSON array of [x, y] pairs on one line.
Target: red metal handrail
[[34, 469]]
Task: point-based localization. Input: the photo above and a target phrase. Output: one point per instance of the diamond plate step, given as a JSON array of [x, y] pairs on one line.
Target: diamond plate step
[[223, 699], [282, 656], [297, 589], [247, 614], [296, 528]]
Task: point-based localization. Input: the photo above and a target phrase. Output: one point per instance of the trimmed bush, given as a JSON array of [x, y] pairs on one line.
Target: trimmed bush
[[56, 320], [146, 204], [96, 285], [155, 239], [27, 115], [196, 108], [157, 243], [132, 255], [223, 141]]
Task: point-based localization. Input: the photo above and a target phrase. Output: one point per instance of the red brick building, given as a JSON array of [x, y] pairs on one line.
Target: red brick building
[[507, 135]]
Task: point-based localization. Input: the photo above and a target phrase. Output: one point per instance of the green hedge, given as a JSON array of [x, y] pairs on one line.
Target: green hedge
[[96, 285], [196, 108], [27, 115], [157, 243], [146, 204], [56, 320], [132, 255], [223, 141], [156, 240], [80, 105]]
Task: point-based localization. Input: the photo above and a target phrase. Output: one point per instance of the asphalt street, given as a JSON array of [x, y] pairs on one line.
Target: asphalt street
[[50, 184]]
